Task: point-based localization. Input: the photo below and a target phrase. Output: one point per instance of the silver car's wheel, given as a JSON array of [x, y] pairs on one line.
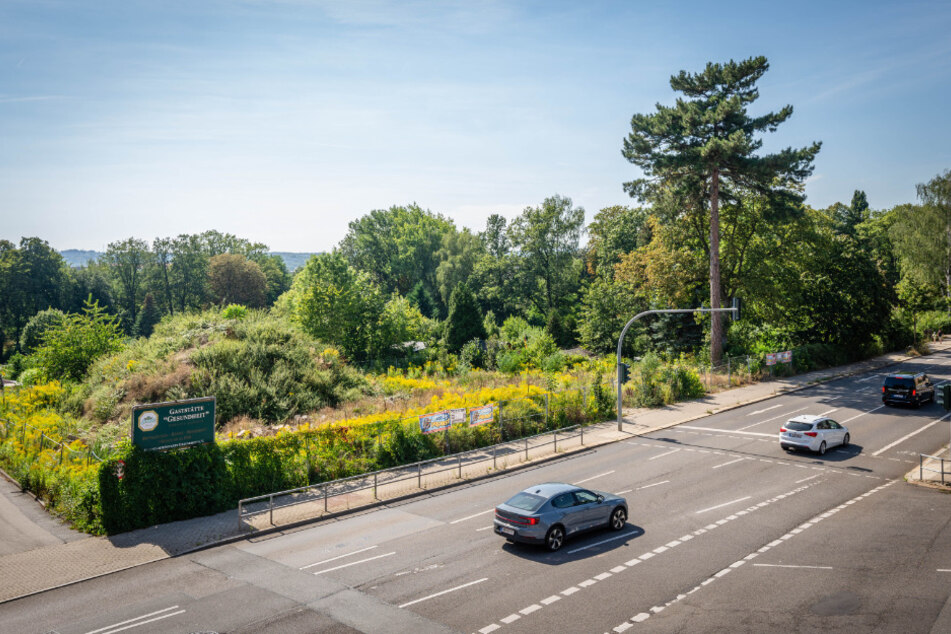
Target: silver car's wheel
[[618, 518], [555, 538], [845, 441], [822, 448]]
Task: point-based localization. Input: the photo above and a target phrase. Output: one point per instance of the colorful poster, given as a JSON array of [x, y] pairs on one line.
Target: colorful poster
[[770, 358], [786, 357], [457, 415], [481, 415], [429, 423]]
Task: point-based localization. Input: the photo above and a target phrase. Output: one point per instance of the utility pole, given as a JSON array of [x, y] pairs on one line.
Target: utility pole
[[622, 368]]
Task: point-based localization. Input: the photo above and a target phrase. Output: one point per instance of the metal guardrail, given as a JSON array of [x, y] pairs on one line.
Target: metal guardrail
[[922, 468], [414, 471], [43, 439]]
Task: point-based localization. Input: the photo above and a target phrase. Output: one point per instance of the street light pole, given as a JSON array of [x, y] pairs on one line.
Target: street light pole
[[735, 310]]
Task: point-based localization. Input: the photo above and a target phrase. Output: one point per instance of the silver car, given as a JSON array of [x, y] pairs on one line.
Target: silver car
[[815, 433], [548, 513]]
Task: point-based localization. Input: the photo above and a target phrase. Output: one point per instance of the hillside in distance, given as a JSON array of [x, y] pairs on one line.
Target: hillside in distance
[[79, 257]]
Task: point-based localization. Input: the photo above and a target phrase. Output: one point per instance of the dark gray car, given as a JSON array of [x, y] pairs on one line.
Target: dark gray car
[[548, 513]]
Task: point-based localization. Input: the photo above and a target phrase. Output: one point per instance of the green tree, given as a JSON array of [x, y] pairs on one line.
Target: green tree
[[67, 352], [128, 261], [188, 273], [234, 279], [276, 274], [91, 280], [147, 317], [613, 232], [33, 277], [704, 147], [397, 247], [546, 240], [340, 305], [464, 322], [922, 235], [37, 327], [457, 258]]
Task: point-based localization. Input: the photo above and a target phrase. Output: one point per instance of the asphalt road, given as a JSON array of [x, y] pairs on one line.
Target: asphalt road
[[726, 533]]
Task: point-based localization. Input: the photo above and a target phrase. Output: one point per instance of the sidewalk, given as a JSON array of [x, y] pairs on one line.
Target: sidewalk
[[48, 567]]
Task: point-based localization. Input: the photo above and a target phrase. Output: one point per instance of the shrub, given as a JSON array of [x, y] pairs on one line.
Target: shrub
[[234, 311], [67, 352], [37, 327]]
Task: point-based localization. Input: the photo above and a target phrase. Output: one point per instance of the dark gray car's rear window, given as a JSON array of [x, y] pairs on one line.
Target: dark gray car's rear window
[[894, 381], [526, 502], [798, 426]]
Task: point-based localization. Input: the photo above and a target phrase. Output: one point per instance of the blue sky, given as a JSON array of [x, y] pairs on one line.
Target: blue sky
[[281, 121]]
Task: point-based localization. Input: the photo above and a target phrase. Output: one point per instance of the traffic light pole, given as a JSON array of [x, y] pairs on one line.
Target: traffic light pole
[[735, 310]]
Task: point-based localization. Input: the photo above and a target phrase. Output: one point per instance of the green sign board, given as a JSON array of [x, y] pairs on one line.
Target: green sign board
[[176, 424]]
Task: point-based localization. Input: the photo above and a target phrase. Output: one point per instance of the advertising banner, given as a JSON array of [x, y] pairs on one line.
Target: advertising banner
[[159, 426], [773, 358], [429, 423], [481, 415], [770, 358], [785, 357], [457, 415]]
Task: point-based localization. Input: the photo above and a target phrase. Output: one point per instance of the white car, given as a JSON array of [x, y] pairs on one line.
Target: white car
[[815, 433]]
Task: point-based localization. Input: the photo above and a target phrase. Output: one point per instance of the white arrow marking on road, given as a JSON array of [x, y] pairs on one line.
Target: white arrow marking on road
[[760, 411]]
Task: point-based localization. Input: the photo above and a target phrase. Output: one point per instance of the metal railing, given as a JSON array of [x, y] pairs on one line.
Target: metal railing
[[418, 471], [922, 468], [40, 440]]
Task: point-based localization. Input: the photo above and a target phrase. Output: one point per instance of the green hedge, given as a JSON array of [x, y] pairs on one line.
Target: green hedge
[[160, 487]]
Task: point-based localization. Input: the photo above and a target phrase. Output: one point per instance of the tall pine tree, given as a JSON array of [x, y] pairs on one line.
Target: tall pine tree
[[703, 149]]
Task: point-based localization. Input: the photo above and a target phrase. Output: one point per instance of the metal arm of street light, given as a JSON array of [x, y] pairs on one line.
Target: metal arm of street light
[[736, 313]]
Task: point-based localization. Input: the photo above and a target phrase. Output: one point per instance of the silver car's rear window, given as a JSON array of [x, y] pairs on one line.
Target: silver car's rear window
[[526, 502], [798, 426]]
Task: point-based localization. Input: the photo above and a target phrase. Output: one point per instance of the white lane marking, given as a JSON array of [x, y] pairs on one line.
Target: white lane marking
[[760, 411], [605, 541], [532, 608], [790, 566], [809, 478], [828, 411], [773, 418], [624, 491], [643, 616], [623, 627], [863, 414], [129, 627], [656, 484], [718, 506], [485, 528], [570, 591], [729, 463], [439, 594], [511, 618], [356, 552], [729, 431], [667, 453], [593, 477], [906, 437], [551, 599], [144, 616], [944, 569], [463, 519], [354, 563], [489, 628]]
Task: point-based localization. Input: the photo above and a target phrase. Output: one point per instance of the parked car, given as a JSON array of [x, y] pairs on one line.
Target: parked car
[[911, 389], [815, 433], [549, 513]]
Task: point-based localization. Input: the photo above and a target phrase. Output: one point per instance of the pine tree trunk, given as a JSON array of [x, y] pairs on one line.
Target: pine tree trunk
[[716, 324]]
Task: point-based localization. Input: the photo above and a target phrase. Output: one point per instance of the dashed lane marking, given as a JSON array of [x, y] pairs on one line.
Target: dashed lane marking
[[719, 506], [907, 436], [600, 475], [791, 566], [439, 594]]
